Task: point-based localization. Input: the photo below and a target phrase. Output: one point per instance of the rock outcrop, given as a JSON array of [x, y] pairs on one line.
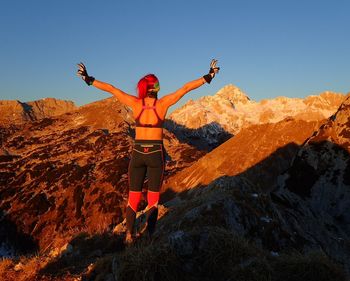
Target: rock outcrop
[[14, 111], [318, 182]]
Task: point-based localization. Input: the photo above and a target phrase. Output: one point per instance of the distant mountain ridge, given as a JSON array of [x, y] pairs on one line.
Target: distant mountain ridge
[[230, 110], [14, 111]]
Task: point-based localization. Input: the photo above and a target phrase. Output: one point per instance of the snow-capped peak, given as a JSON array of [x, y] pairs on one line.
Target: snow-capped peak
[[233, 94]]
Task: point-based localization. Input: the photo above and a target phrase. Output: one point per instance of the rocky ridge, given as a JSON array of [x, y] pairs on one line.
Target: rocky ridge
[[318, 182], [262, 151]]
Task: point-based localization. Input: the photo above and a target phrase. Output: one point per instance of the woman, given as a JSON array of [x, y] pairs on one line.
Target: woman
[[148, 152]]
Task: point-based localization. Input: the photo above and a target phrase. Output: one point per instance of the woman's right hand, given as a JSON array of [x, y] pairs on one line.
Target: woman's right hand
[[84, 75]]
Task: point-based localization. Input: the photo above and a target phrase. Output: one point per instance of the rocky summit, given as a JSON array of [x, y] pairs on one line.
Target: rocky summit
[[269, 203]]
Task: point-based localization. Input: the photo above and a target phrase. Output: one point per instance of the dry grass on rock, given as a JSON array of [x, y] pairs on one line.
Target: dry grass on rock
[[312, 267], [214, 253]]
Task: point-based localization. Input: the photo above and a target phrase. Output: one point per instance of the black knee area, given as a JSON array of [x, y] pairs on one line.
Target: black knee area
[[152, 220], [130, 218]]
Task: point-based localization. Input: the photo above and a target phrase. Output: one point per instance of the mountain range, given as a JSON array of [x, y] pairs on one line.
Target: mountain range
[[214, 119]]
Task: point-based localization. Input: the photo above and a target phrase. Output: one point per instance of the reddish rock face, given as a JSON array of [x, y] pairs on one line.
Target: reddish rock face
[[70, 172]]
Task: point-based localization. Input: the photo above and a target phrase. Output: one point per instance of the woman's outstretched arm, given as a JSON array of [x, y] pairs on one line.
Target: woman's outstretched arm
[[123, 97], [174, 97]]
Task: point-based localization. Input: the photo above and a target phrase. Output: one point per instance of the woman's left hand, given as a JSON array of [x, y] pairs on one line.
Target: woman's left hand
[[213, 68]]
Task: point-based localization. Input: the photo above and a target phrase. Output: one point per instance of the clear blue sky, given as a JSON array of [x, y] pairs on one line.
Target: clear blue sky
[[267, 48]]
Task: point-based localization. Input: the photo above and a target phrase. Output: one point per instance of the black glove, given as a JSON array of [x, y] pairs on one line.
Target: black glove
[[83, 74], [212, 71]]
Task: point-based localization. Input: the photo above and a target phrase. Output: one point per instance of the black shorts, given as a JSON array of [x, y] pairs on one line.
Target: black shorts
[[147, 159]]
